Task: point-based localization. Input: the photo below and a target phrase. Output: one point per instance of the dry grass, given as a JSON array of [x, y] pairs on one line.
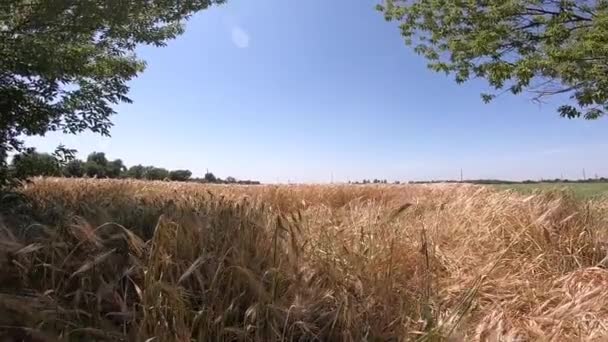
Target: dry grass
[[144, 261]]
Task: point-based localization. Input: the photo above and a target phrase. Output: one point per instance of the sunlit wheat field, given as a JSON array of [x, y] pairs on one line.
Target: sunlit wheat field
[[111, 260]]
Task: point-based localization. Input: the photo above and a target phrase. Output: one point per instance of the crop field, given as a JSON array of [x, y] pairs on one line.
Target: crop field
[[580, 190], [111, 260]]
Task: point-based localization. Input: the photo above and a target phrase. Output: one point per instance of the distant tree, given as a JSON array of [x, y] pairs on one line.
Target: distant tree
[[136, 171], [98, 158], [210, 177], [115, 168], [180, 175], [94, 170], [97, 165], [156, 173], [74, 168], [31, 164], [148, 169], [65, 64], [230, 180], [547, 47]]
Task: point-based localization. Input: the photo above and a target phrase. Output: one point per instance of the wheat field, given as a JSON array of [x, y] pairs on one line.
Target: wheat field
[[112, 260]]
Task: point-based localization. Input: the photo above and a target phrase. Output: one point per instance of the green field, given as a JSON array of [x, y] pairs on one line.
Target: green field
[[581, 190]]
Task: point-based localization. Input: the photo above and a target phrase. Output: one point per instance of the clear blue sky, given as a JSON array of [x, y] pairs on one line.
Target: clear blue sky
[[297, 90]]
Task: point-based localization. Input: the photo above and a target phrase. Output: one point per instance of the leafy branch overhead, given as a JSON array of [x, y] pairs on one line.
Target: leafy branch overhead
[[546, 47], [65, 63]]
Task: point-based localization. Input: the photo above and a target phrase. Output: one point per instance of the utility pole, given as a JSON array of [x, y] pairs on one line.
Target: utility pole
[[584, 174], [461, 176]]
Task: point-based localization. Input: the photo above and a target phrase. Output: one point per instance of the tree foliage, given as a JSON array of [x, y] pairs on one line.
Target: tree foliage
[[98, 158], [136, 171], [547, 47], [210, 177], [64, 63], [32, 163], [115, 169], [180, 175], [98, 165], [156, 173], [94, 170], [74, 168]]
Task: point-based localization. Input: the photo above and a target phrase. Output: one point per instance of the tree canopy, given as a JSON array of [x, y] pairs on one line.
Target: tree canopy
[[180, 175], [65, 63], [546, 47], [156, 173], [136, 171], [32, 163], [74, 168], [210, 177]]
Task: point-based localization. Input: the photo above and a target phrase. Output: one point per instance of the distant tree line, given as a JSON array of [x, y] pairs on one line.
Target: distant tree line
[[529, 181], [32, 163], [211, 178], [487, 181], [375, 181]]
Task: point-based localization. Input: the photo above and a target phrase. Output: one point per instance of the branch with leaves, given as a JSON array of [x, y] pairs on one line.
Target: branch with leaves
[[546, 47], [64, 64]]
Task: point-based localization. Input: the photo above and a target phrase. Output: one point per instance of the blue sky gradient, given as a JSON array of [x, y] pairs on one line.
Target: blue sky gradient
[[297, 90]]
